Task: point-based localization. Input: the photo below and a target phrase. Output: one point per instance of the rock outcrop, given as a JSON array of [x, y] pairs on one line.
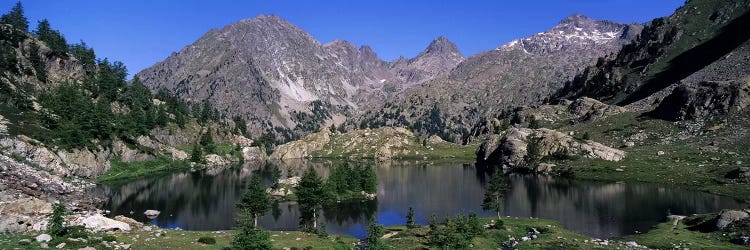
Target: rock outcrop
[[704, 100], [302, 148], [510, 147], [381, 143], [99, 223], [589, 110]]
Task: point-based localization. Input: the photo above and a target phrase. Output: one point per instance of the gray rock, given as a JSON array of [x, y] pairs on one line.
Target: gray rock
[[43, 238], [60, 246], [510, 147], [99, 223], [151, 214], [726, 217], [704, 100]]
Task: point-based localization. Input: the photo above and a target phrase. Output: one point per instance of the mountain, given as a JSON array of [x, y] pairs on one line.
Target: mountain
[[678, 48], [522, 72], [278, 78]]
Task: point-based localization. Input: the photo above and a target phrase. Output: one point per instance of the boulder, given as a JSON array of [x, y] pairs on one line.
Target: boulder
[[27, 206], [43, 238], [254, 154], [726, 217], [215, 162], [133, 223], [509, 148], [3, 126], [291, 181], [99, 223], [589, 110], [704, 100], [151, 214]]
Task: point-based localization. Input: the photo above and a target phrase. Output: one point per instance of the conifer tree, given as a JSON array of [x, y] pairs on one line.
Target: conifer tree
[[411, 222], [495, 192], [374, 233], [311, 193], [249, 237], [16, 18], [255, 199]]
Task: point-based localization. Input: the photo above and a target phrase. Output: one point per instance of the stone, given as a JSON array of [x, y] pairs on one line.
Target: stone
[[629, 144], [43, 238], [704, 100], [660, 153], [43, 245], [254, 154], [509, 147], [152, 214], [726, 217], [742, 173], [87, 248], [60, 246], [99, 223], [129, 221], [545, 167], [28, 206]]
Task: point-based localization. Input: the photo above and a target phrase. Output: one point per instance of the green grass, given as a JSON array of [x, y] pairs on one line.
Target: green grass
[[121, 171], [175, 239], [686, 161], [662, 236]]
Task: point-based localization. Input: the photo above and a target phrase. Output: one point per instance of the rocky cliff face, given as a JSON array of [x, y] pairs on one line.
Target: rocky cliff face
[[522, 72], [276, 75]]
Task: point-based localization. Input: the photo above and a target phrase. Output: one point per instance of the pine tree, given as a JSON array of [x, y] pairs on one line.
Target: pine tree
[[368, 179], [249, 237], [56, 225], [374, 233], [534, 123], [533, 151], [37, 63], [495, 192], [433, 222], [255, 199], [53, 38], [196, 155], [207, 141], [161, 117], [311, 193], [180, 119], [16, 18], [411, 222]]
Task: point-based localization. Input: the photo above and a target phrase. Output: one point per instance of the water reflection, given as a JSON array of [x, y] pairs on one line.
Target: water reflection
[[202, 201]]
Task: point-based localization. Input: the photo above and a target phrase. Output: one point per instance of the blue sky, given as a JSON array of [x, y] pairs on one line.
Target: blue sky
[[143, 32]]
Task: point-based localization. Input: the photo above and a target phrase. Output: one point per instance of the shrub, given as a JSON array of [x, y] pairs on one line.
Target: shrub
[[208, 240], [109, 238], [56, 225]]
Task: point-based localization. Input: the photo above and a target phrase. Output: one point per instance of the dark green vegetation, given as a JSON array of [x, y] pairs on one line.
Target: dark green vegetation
[[123, 171], [347, 182], [495, 193], [248, 236]]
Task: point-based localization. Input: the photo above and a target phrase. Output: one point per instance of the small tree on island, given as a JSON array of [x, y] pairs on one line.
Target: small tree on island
[[196, 155], [495, 192], [249, 237], [311, 194], [255, 200], [411, 222]]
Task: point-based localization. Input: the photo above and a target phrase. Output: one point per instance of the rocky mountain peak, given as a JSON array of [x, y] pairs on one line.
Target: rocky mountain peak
[[442, 46], [575, 32]]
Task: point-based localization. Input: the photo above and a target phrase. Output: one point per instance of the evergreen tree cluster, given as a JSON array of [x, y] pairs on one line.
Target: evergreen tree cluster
[[346, 179], [455, 233], [78, 115]]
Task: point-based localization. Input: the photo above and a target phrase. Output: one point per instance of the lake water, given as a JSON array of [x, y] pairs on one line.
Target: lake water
[[206, 201]]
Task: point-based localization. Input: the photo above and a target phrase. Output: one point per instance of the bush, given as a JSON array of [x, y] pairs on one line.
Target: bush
[[208, 240], [109, 238]]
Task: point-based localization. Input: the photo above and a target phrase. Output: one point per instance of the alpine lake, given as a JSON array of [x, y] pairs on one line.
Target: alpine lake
[[206, 200]]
